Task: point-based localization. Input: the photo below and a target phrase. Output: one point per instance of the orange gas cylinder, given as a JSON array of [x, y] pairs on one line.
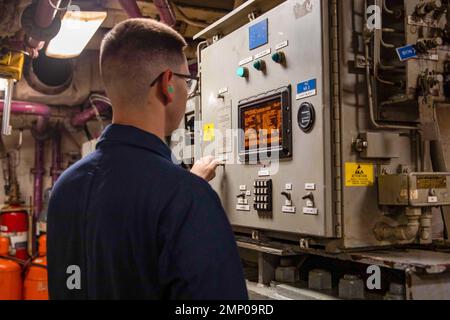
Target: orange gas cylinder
[[42, 245], [36, 281], [10, 275]]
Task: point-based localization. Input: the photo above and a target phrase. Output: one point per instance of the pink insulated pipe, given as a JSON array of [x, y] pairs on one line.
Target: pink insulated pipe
[[33, 109], [84, 117]]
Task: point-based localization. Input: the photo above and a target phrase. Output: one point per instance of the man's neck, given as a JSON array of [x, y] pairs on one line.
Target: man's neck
[[153, 123]]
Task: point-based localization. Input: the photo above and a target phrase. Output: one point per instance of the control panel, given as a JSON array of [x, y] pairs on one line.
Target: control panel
[[264, 97]]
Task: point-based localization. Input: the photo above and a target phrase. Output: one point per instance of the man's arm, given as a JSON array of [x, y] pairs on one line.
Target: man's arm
[[199, 258]]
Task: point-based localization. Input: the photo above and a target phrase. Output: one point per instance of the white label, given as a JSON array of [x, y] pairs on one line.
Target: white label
[[245, 61], [4, 228], [433, 200], [19, 238], [242, 201], [282, 45], [432, 57], [310, 186], [243, 187], [288, 186], [288, 209], [263, 53], [242, 208], [311, 211], [264, 173], [223, 90], [307, 94], [421, 22]]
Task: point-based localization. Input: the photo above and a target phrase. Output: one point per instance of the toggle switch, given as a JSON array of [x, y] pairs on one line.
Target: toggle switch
[[310, 200], [288, 196], [241, 195]]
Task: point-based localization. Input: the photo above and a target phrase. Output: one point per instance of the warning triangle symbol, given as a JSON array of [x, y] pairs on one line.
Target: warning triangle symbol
[[359, 170]]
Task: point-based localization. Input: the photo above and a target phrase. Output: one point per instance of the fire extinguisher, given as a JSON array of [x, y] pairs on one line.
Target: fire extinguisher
[[10, 274], [14, 217], [14, 226]]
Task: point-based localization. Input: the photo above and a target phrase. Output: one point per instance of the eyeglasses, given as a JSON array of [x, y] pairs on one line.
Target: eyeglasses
[[189, 78]]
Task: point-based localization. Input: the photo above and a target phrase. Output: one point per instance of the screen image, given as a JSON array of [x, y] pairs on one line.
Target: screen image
[[262, 125]]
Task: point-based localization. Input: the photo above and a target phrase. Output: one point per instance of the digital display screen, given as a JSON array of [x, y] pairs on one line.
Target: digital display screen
[[263, 125]]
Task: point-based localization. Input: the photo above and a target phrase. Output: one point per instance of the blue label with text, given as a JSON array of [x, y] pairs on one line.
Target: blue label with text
[[407, 52], [307, 89]]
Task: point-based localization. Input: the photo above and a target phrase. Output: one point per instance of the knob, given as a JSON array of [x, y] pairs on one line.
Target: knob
[[278, 57], [259, 65]]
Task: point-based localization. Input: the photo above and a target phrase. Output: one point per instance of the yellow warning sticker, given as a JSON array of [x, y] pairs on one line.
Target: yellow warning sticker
[[5, 59], [208, 132], [359, 174]]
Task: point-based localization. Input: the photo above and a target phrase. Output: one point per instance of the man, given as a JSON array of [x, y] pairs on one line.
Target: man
[[126, 222]]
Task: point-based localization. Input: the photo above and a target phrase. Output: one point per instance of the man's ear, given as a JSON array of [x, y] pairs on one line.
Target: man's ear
[[167, 88]]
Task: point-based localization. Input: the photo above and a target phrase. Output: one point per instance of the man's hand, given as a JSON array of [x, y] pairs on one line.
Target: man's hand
[[206, 168]]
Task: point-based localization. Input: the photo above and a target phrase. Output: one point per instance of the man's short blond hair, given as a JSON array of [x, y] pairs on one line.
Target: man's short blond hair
[[133, 54]]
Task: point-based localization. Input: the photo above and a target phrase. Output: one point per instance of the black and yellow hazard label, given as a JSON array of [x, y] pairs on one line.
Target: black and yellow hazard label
[[359, 174]]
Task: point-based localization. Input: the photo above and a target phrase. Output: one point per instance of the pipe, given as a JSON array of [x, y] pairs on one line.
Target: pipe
[[426, 223], [370, 99], [165, 12], [45, 15], [7, 108], [56, 168], [406, 232], [131, 8], [26, 108], [185, 18], [39, 172], [163, 7], [98, 106]]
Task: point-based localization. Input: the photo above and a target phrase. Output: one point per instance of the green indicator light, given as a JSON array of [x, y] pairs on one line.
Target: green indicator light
[[241, 72]]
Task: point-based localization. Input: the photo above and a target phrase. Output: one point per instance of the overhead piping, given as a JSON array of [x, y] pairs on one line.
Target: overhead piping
[[40, 23], [131, 8], [165, 12], [185, 18]]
